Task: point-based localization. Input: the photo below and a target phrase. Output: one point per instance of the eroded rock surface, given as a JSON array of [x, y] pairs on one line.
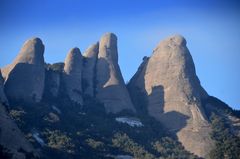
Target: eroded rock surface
[[174, 94], [89, 71], [24, 78], [73, 75], [111, 89]]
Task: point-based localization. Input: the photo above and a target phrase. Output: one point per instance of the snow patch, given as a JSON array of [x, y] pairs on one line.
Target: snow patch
[[38, 139], [56, 109], [130, 121]]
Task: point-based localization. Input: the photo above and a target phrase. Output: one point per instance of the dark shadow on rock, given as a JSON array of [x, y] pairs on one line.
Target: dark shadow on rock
[[153, 104], [172, 120], [101, 65], [25, 82], [156, 100]]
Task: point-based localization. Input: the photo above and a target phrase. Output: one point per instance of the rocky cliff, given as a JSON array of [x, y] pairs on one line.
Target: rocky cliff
[[3, 98], [174, 94], [72, 76], [111, 89], [89, 71], [24, 78], [167, 90]]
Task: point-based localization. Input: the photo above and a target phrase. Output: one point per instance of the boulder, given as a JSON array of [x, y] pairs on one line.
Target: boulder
[[111, 89], [24, 78], [72, 76], [174, 94]]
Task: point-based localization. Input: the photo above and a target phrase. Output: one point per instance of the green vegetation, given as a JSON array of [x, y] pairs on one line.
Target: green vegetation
[[58, 140], [227, 144], [94, 144], [169, 148], [17, 114], [124, 142], [56, 67]]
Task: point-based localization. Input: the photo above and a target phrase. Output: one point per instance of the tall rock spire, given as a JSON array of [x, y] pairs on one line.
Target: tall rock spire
[[89, 71], [24, 78], [174, 94], [111, 89], [73, 75]]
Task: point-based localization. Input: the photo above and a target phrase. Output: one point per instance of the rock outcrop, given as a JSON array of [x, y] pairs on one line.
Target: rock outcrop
[[111, 89], [24, 78], [3, 98], [72, 76], [174, 94], [89, 71], [52, 83], [12, 138]]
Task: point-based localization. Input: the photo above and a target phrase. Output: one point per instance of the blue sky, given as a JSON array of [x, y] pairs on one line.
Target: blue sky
[[212, 30]]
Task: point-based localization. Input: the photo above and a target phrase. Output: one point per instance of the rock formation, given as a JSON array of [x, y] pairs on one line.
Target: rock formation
[[52, 83], [72, 76], [3, 98], [24, 78], [111, 89], [89, 71], [174, 94], [12, 138]]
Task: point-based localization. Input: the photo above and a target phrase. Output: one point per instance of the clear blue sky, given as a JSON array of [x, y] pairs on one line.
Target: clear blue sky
[[212, 29]]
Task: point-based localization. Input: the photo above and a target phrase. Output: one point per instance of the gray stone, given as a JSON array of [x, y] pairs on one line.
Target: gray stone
[[72, 76], [24, 78], [52, 82], [174, 94], [89, 70], [3, 98], [111, 89]]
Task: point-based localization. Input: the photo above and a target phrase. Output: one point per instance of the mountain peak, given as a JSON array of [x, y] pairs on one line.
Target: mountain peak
[[174, 93]]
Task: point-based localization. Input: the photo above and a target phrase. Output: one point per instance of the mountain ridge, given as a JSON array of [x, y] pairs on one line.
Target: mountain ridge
[[165, 88]]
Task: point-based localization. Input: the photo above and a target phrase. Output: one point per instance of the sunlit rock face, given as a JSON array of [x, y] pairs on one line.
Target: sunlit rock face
[[24, 78], [174, 93], [111, 89], [72, 75]]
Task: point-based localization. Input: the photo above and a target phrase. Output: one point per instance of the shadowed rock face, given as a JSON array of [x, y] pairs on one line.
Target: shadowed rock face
[[3, 98], [11, 137], [72, 76], [111, 89], [174, 93], [24, 78], [52, 83], [89, 71]]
